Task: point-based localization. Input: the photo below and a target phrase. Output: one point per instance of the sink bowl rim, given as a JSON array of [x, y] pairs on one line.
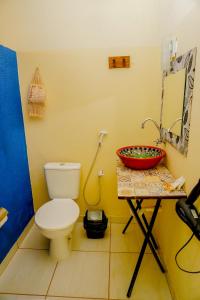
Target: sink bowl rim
[[163, 153]]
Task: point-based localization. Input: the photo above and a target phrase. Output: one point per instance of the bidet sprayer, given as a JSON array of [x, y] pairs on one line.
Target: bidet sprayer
[[102, 133]]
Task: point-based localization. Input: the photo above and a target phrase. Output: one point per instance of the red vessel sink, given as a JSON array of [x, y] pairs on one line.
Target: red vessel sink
[[140, 157]]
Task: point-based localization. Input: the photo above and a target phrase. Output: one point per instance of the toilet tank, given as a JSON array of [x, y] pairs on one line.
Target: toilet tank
[[63, 179]]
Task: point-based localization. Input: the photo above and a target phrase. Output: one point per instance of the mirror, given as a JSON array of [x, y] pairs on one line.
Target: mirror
[[174, 87], [177, 94]]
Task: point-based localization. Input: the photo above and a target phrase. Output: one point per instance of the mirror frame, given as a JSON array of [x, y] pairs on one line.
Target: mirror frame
[[187, 61]]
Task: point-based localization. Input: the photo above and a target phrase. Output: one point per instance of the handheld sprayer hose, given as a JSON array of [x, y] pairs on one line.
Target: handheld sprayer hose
[[88, 177]]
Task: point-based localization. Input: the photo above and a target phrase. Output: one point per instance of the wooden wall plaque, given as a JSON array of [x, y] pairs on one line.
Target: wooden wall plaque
[[119, 62]]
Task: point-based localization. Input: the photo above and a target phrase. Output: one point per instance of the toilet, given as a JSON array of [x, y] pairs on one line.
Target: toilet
[[56, 218]]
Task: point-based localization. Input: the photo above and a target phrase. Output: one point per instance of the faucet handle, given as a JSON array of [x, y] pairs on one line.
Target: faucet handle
[[158, 141]]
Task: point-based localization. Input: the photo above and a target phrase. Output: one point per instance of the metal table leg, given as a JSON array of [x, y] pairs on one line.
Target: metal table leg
[[152, 237], [139, 207], [128, 223], [146, 241], [139, 202]]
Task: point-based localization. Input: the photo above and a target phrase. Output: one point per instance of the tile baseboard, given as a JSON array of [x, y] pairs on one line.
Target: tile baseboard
[[8, 258], [15, 247], [25, 232]]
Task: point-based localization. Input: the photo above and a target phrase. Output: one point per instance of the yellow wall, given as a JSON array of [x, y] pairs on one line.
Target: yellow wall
[[70, 40], [183, 21], [37, 25], [84, 96]]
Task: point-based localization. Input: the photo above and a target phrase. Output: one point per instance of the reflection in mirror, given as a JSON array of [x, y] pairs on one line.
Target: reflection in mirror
[[174, 87], [176, 105]]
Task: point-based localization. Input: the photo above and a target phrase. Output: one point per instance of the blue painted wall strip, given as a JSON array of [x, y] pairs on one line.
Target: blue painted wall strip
[[15, 187]]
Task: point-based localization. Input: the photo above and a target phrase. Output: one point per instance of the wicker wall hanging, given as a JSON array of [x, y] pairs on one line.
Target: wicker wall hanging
[[36, 96]]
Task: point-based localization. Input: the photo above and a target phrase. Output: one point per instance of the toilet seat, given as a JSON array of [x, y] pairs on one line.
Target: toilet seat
[[57, 214]]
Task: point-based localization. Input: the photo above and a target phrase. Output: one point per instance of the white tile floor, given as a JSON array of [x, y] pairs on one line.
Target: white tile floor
[[96, 269]]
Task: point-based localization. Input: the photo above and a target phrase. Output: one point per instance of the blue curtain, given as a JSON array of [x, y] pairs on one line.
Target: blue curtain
[[15, 187]]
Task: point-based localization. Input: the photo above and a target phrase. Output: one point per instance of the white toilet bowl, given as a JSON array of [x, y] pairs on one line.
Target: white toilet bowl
[[56, 220]]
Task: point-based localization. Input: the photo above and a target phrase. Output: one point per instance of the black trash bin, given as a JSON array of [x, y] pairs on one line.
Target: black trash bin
[[95, 223]]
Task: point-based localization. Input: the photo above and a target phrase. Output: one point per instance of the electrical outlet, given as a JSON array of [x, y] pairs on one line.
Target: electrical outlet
[[101, 173]]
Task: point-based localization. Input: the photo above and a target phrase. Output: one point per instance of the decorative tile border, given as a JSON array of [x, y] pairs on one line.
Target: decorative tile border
[[187, 61]]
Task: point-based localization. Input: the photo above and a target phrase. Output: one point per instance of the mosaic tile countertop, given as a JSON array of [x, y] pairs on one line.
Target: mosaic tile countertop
[[146, 184]]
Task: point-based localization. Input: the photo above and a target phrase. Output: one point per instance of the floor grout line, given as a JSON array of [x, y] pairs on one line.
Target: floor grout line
[[109, 275], [131, 252], [21, 294], [54, 296], [101, 251], [109, 251], [93, 251], [78, 297], [33, 249], [51, 279]]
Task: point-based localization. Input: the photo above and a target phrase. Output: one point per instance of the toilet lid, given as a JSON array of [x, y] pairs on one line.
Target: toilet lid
[[57, 214]]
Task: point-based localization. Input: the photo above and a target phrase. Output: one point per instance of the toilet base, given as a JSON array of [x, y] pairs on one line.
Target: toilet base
[[60, 248]]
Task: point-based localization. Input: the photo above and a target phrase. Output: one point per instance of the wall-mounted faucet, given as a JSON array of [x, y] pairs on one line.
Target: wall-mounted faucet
[[160, 139], [176, 121], [150, 119]]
